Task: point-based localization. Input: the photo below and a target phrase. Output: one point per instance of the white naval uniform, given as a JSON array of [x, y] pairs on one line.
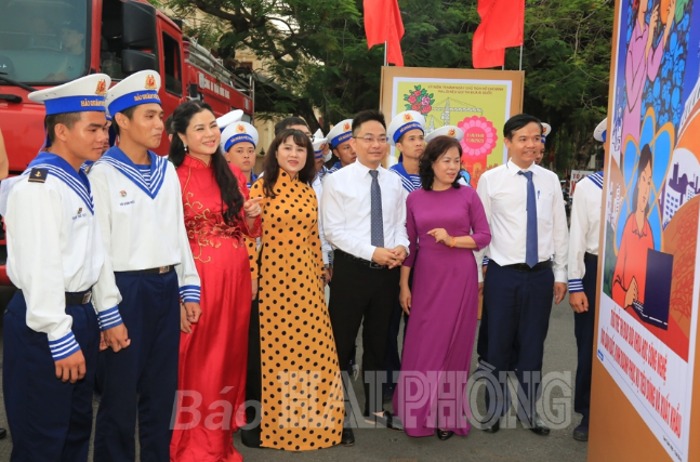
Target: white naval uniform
[[584, 232], [326, 249], [144, 224], [54, 246]]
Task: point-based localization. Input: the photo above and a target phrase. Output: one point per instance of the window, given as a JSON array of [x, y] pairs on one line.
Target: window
[[171, 61]]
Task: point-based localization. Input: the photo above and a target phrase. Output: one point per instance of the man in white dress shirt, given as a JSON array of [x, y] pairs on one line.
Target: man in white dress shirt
[[525, 209], [55, 257], [138, 203], [364, 218], [583, 267]]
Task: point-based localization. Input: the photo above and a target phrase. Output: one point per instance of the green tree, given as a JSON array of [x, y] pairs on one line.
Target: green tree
[[317, 56]]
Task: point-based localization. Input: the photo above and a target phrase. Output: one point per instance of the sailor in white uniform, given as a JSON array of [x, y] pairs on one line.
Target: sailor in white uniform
[[55, 256], [139, 207]]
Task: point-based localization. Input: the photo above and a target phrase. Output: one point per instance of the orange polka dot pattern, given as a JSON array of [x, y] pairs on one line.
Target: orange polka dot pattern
[[302, 396]]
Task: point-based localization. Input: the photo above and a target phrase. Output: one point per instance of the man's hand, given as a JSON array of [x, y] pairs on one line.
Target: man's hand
[[384, 257], [116, 338], [327, 274], [189, 314], [559, 292], [400, 254], [578, 302], [72, 368]]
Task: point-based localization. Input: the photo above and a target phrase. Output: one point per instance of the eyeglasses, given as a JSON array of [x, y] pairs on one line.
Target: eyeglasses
[[371, 139]]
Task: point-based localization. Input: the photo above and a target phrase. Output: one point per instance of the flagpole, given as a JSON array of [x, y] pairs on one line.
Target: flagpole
[[520, 66], [386, 44]]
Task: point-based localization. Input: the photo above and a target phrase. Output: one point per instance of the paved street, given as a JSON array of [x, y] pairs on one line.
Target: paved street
[[510, 444]]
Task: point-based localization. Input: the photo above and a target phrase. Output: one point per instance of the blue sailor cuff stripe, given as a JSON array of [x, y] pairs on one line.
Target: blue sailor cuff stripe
[[109, 318], [190, 293], [64, 346], [575, 285], [485, 261]]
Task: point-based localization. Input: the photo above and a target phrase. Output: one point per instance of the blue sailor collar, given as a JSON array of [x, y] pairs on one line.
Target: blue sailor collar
[[119, 160], [61, 169]]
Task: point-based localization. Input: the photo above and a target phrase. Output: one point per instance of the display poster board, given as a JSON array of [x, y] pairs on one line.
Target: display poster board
[[646, 346], [479, 102]]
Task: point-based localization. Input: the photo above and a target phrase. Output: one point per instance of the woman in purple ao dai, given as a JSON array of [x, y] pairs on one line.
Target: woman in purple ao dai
[[446, 223]]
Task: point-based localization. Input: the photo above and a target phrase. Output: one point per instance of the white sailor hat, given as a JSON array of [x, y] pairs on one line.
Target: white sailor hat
[[404, 122], [318, 146], [446, 130], [319, 134], [340, 133], [229, 118], [80, 95], [601, 131], [546, 130], [139, 88], [238, 132]]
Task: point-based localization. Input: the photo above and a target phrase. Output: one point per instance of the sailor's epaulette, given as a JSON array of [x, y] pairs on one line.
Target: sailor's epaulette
[[38, 175]]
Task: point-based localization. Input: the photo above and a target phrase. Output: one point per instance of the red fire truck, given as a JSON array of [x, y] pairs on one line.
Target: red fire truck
[[48, 42]]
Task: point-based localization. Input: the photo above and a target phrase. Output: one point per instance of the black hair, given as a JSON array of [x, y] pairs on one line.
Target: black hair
[[433, 151], [517, 122], [128, 113], [288, 122], [67, 119], [644, 160], [169, 129], [225, 179], [367, 116], [272, 166]]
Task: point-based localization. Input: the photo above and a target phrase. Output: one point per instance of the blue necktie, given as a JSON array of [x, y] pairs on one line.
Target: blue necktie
[[531, 256], [377, 224]]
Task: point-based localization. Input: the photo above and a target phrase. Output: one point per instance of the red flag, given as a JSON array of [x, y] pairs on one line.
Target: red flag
[[502, 26], [383, 23]]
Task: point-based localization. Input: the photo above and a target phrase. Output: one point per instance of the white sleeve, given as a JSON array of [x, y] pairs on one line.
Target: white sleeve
[[560, 233], [188, 279], [577, 238], [482, 190], [34, 219], [106, 294], [401, 232]]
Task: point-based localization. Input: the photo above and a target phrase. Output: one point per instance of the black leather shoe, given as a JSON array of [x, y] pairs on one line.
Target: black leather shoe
[[494, 428], [251, 438], [581, 433], [3, 433], [385, 419], [348, 438], [444, 434], [539, 428]]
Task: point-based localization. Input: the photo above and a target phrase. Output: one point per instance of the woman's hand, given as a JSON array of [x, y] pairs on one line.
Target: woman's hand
[[252, 207], [405, 300], [440, 235]]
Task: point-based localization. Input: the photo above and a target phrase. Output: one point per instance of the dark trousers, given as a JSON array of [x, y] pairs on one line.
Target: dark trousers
[[393, 352], [519, 304], [363, 295], [50, 420], [253, 386], [584, 324], [143, 376]]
